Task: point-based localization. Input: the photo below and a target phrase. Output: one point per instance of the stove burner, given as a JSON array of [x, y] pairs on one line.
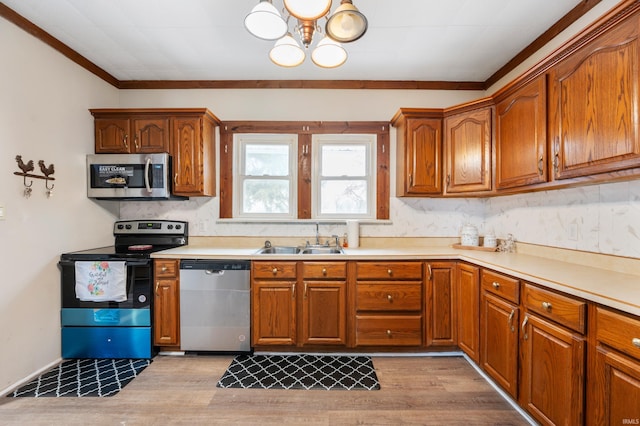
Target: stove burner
[[140, 247]]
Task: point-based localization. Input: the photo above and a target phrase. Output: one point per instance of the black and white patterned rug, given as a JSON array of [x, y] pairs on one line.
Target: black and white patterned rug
[[84, 377], [300, 372]]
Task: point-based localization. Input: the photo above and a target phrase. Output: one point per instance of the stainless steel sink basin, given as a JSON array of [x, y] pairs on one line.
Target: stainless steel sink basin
[[321, 250], [279, 250]]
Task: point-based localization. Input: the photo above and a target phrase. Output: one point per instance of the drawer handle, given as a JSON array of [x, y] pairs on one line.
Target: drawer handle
[[513, 312], [389, 298], [495, 285], [546, 306], [388, 333], [636, 342], [525, 336], [163, 269], [324, 271], [390, 272], [275, 271]]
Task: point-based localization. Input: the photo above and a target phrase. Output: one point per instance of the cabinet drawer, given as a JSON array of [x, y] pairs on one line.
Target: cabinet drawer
[[501, 285], [385, 296], [166, 268], [383, 330], [564, 310], [274, 270], [618, 331], [389, 270], [324, 270]]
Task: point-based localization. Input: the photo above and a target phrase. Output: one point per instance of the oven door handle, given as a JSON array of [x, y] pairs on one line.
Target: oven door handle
[[128, 262], [146, 174]]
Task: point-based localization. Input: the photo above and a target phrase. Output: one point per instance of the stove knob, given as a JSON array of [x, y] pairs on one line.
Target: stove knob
[[178, 226], [170, 226], [120, 226], [128, 226]]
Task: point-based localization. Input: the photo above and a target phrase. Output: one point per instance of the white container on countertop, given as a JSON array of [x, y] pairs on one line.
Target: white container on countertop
[[490, 240], [469, 236]]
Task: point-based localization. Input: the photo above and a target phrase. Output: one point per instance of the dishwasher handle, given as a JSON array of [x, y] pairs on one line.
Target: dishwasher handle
[[213, 266]]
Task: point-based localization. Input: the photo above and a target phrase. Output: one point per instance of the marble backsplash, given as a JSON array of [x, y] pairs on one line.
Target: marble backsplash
[[599, 219]]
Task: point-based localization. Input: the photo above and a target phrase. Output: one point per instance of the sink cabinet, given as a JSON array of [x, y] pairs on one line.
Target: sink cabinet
[[166, 303]]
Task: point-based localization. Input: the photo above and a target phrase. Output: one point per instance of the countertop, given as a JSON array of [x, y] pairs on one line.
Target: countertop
[[608, 287]]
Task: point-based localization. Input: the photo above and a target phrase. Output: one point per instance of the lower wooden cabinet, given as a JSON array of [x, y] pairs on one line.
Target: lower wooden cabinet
[[440, 319], [467, 310], [499, 341], [166, 303], [614, 391], [553, 372], [299, 303]]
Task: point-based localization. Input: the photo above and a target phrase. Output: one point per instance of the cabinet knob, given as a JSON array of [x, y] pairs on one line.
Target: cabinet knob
[[274, 270], [390, 272], [389, 298], [389, 333], [495, 285], [546, 306], [324, 271], [636, 342], [163, 269]]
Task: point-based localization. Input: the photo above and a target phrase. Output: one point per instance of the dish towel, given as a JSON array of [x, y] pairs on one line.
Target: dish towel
[[101, 281]]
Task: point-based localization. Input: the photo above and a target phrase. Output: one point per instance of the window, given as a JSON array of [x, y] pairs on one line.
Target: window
[[343, 176], [266, 178], [304, 170]]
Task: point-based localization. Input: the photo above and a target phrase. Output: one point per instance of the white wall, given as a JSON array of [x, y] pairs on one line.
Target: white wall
[[44, 99]]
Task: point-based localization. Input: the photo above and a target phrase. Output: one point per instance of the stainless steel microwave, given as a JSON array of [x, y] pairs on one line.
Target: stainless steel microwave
[[129, 176]]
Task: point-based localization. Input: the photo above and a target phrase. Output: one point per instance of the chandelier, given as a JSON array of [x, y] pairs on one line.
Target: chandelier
[[345, 25]]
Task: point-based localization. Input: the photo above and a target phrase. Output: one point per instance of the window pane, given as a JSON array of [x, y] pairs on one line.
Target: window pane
[[344, 160], [343, 197], [266, 160], [265, 196]]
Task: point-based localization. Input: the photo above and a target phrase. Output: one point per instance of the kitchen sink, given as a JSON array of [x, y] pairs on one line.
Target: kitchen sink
[[321, 250], [279, 250]]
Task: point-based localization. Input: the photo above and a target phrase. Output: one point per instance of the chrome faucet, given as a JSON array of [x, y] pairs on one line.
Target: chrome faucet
[[317, 233]]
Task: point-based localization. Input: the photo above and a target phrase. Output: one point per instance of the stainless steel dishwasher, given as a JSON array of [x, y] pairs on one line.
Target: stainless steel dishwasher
[[215, 305]]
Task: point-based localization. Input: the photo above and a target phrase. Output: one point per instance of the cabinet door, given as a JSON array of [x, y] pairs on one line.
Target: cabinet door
[[521, 141], [593, 105], [499, 344], [187, 155], [150, 135], [166, 313], [423, 156], [617, 389], [467, 150], [274, 313], [468, 310], [324, 313], [112, 135], [553, 371], [440, 321]]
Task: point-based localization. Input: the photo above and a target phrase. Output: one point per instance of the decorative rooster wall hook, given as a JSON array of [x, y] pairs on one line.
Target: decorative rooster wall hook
[[28, 167]]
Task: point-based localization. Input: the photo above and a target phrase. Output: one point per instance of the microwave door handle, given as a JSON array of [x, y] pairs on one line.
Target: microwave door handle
[[146, 175]]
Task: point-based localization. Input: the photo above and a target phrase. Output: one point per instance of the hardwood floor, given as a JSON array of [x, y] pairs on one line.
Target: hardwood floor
[[182, 390]]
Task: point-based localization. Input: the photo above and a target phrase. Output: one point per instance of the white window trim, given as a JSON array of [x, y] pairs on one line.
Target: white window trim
[[370, 142], [240, 140]]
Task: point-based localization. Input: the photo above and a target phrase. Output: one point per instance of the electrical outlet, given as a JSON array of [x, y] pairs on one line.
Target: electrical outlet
[[573, 231]]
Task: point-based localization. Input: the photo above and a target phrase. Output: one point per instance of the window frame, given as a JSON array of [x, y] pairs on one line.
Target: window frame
[[305, 130]]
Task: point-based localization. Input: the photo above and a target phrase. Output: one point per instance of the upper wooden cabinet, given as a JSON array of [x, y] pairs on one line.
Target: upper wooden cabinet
[[593, 105], [187, 134], [131, 135], [467, 151], [521, 142], [419, 152]]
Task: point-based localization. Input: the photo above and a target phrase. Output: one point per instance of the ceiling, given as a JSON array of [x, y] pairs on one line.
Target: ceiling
[[414, 40]]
